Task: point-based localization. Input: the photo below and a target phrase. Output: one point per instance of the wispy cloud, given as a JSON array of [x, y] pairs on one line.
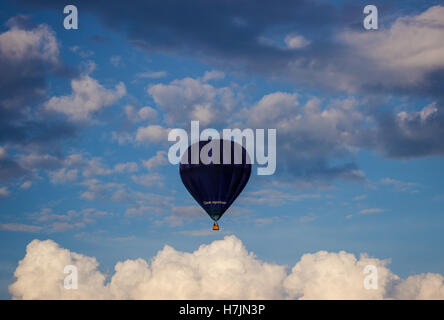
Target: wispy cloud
[[19, 227], [152, 74], [360, 198], [371, 210], [401, 186]]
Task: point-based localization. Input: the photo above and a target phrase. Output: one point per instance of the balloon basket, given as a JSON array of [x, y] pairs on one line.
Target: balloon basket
[[215, 226]]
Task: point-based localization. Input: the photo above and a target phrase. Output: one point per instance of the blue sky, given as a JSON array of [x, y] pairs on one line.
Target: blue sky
[[359, 119]]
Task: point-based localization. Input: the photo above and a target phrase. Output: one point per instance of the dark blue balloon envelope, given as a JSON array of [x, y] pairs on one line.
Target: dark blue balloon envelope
[[215, 184]]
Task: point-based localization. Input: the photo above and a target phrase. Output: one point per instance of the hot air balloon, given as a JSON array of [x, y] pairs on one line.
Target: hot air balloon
[[215, 181]]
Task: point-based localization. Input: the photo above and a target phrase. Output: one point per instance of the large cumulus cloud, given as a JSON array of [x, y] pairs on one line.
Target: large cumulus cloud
[[223, 269]]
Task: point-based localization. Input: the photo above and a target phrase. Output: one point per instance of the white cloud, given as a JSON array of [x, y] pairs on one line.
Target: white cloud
[[371, 210], [312, 134], [213, 75], [89, 195], [2, 152], [19, 227], [122, 137], [88, 96], [40, 274], [38, 160], [152, 74], [39, 43], [152, 133], [143, 114], [329, 275], [308, 218], [95, 167], [144, 209], [405, 54], [4, 192], [422, 286], [404, 118], [273, 107], [224, 269], [62, 175], [130, 112], [263, 221], [126, 167], [393, 48], [334, 123], [359, 198], [181, 213], [193, 99], [120, 195], [149, 180], [294, 41], [74, 159], [154, 199], [159, 159], [147, 113], [26, 185], [272, 197], [50, 221], [98, 189], [82, 53], [400, 185]]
